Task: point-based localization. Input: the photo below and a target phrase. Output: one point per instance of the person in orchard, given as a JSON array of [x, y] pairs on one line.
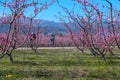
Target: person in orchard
[[52, 39], [32, 38]]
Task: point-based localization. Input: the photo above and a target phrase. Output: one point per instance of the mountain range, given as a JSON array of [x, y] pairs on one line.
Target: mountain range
[[45, 25], [50, 26]]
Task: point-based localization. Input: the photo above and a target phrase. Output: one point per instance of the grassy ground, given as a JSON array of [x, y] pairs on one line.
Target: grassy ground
[[59, 65]]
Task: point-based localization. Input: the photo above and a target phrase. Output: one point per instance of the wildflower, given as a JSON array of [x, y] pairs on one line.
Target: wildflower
[[9, 76]]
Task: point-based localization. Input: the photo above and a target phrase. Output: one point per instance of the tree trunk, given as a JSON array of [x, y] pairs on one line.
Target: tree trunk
[[103, 56], [82, 51], [11, 58]]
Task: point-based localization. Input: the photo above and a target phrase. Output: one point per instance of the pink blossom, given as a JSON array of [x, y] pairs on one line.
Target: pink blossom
[[85, 1], [99, 17], [36, 10], [18, 1], [78, 0], [5, 21]]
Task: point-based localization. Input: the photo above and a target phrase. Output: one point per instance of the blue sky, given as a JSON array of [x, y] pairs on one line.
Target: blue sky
[[53, 10]]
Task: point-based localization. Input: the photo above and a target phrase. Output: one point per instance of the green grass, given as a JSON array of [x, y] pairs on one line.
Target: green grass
[[59, 65]]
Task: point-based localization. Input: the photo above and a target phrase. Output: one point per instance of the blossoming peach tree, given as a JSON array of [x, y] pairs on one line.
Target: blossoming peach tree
[[97, 30], [14, 18]]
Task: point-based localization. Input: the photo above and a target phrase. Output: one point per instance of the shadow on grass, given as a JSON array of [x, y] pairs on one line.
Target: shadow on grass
[[21, 73], [70, 62], [23, 63]]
